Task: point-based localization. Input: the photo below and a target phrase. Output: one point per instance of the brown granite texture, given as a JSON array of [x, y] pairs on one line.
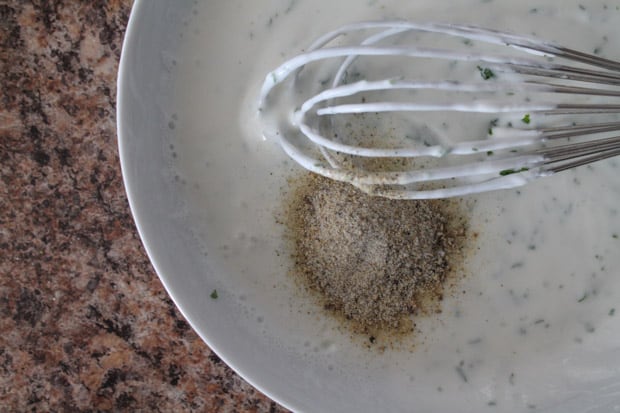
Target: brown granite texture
[[85, 324]]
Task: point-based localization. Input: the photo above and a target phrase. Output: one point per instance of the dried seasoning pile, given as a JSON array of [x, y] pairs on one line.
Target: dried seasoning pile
[[372, 259]]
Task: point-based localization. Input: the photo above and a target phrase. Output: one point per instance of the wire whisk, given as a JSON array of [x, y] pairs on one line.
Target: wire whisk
[[431, 110]]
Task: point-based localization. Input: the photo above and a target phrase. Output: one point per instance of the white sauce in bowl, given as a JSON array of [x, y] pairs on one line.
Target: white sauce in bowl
[[536, 325]]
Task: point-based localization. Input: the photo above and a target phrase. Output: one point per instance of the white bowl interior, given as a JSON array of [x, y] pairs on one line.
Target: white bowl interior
[[585, 379]]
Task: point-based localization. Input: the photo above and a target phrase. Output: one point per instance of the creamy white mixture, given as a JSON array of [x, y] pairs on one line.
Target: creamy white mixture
[[538, 319]]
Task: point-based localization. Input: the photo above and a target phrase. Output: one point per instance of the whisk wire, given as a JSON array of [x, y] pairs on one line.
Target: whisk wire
[[531, 68]]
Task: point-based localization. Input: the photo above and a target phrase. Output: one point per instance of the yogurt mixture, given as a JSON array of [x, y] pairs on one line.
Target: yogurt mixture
[[536, 323]]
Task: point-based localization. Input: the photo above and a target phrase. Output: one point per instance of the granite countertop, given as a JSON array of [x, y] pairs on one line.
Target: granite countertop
[[85, 323]]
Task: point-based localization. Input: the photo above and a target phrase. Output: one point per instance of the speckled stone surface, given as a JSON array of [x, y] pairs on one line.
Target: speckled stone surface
[[85, 324]]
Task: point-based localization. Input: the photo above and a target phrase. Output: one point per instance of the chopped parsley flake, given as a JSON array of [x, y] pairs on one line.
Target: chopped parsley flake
[[214, 294], [526, 119], [486, 73], [461, 373], [489, 153], [612, 312], [512, 171], [582, 299]]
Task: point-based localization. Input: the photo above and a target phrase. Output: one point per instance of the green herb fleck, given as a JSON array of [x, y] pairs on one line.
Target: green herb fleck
[[489, 153], [490, 131], [582, 299], [612, 312], [512, 171], [614, 236], [486, 73], [526, 119], [274, 78], [461, 373], [214, 294]]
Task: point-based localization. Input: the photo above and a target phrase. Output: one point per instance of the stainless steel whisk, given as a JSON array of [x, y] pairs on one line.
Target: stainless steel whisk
[[561, 108]]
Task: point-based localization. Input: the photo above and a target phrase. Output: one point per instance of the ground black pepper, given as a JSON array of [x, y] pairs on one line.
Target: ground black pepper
[[370, 258]]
